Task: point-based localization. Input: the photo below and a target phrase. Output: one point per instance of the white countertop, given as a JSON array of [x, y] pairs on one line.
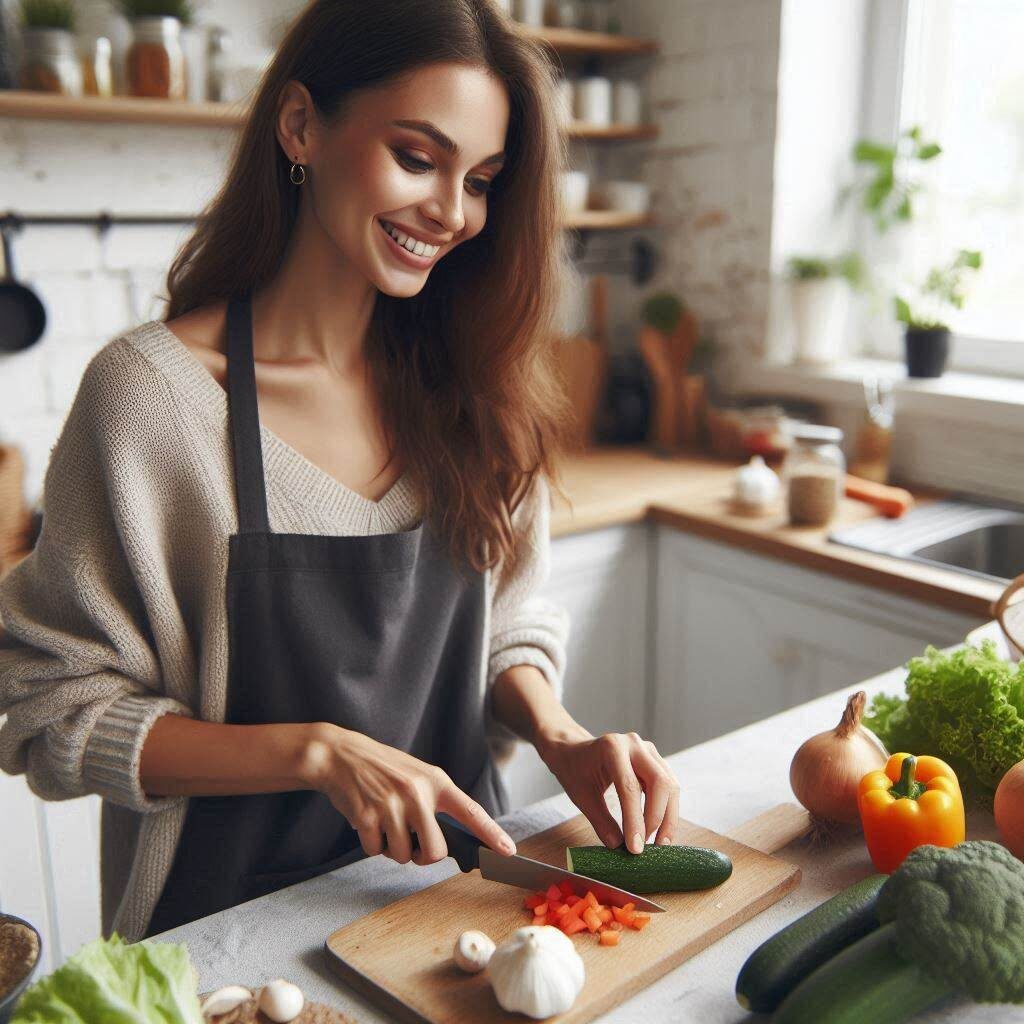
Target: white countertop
[[724, 782]]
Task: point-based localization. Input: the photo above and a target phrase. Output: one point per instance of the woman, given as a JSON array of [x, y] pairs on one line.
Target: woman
[[265, 672]]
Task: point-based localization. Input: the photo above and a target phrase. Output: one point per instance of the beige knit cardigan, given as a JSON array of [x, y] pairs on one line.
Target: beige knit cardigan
[[118, 616]]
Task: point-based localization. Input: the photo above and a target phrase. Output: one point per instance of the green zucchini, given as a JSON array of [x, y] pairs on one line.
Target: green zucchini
[[657, 869], [777, 966], [866, 982]]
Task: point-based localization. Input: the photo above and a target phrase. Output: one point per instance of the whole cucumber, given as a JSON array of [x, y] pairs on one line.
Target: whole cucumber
[[866, 982], [778, 965], [657, 869]]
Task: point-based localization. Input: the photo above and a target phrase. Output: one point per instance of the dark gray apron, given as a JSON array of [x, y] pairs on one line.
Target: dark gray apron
[[380, 634]]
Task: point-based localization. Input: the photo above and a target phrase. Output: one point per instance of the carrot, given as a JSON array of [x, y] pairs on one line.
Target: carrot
[[574, 926], [566, 886], [592, 920], [553, 893], [640, 921], [605, 914], [591, 899], [609, 938], [533, 901], [572, 899]]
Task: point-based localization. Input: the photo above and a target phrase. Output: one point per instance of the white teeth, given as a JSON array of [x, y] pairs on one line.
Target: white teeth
[[419, 248]]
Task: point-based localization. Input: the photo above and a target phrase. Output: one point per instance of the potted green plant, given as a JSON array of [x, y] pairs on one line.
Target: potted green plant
[[156, 60], [887, 194], [926, 335], [819, 299], [50, 63]]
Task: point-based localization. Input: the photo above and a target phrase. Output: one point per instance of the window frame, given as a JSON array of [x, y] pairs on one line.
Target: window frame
[[880, 119]]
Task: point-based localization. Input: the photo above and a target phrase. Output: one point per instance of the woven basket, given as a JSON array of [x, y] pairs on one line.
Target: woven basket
[[15, 517]]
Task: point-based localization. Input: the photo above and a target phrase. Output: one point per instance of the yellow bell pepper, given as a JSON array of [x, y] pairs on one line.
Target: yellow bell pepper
[[915, 801]]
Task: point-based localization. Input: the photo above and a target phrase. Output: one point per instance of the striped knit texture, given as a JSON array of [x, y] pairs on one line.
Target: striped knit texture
[[118, 616]]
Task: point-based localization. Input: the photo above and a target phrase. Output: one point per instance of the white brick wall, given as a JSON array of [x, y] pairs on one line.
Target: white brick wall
[[712, 90]]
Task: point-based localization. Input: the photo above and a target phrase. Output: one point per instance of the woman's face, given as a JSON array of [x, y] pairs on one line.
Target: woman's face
[[379, 169]]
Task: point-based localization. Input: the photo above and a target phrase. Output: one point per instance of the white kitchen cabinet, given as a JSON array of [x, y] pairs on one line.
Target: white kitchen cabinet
[[602, 578], [739, 636]]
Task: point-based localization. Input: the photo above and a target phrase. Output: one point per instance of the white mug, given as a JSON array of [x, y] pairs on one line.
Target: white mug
[[628, 196], [627, 102], [575, 186], [529, 12], [594, 100]]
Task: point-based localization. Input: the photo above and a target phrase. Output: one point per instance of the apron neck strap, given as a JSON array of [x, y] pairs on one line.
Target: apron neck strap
[[250, 488]]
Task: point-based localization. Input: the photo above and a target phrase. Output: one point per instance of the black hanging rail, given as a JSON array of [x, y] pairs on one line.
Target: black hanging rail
[[640, 264], [102, 220]]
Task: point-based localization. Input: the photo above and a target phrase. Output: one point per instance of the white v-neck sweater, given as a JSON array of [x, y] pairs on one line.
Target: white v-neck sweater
[[118, 616]]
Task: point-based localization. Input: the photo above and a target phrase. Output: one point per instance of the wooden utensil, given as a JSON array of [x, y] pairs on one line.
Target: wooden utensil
[[663, 429], [583, 367], [400, 957]]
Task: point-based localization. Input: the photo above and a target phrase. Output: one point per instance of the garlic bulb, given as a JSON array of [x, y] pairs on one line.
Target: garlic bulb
[[281, 1001], [537, 971], [755, 484], [224, 1000], [472, 951]]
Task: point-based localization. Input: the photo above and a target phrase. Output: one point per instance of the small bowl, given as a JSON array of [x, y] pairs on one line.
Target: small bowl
[[8, 1002]]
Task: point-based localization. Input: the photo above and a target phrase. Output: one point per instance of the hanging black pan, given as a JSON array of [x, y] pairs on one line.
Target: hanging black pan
[[22, 315]]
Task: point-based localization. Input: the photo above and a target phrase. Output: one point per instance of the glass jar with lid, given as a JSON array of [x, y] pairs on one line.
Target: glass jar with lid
[[814, 473]]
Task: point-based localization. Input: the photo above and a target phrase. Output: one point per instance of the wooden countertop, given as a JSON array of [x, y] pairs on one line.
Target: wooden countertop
[[614, 486]]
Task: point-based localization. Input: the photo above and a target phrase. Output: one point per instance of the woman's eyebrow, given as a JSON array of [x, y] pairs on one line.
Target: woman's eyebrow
[[450, 146]]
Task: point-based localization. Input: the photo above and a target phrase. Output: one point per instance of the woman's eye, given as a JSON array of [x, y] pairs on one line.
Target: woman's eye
[[480, 185]]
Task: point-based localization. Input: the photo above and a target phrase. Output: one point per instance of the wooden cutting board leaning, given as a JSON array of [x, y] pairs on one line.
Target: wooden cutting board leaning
[[400, 957]]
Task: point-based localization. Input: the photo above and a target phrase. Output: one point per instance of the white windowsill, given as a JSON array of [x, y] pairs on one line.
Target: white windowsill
[[964, 397]]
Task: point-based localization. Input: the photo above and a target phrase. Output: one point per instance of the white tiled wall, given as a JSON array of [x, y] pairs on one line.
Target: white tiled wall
[[712, 90]]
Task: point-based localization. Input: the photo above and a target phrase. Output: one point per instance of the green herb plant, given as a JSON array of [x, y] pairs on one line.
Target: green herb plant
[[942, 287], [888, 194], [183, 10], [662, 311], [810, 268], [48, 14]]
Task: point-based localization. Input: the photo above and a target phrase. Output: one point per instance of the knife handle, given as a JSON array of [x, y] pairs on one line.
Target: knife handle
[[463, 845]]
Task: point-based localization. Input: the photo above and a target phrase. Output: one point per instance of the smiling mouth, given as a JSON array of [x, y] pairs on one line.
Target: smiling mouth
[[402, 252]]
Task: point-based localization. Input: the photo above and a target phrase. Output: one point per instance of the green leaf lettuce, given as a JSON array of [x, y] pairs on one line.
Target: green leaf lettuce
[[114, 982]]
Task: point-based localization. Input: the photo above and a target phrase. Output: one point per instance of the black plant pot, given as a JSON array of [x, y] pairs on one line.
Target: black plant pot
[[927, 349]]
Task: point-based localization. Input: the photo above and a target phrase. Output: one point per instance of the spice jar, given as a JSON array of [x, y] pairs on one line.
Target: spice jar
[[50, 63], [156, 61], [815, 472]]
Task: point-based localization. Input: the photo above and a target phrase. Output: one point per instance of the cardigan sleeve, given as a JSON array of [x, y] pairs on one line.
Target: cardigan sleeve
[[527, 627], [81, 681]]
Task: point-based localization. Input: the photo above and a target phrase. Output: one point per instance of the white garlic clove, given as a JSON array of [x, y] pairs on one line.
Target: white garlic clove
[[281, 1001], [472, 951], [224, 1000]]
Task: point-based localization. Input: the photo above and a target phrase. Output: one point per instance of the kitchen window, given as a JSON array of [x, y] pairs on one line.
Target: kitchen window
[[953, 67]]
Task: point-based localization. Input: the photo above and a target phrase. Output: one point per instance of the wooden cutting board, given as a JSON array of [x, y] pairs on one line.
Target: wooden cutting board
[[400, 957]]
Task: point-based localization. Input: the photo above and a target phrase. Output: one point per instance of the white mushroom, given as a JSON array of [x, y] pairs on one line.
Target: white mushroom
[[472, 951], [281, 1001], [224, 1000]]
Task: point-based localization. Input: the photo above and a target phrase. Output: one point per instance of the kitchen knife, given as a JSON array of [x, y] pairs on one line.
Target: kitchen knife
[[525, 873]]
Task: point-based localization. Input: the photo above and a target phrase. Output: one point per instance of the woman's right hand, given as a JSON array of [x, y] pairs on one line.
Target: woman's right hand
[[386, 794]]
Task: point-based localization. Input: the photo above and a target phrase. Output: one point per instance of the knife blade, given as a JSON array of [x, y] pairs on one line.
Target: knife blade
[[526, 873]]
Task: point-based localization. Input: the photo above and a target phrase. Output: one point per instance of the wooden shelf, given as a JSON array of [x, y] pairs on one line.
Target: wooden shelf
[[608, 219], [577, 41], [613, 132], [44, 106]]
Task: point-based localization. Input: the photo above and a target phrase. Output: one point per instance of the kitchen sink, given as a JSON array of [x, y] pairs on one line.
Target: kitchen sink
[[980, 540]]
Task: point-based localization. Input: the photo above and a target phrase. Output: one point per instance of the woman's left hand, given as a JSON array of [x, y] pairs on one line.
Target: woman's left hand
[[586, 767]]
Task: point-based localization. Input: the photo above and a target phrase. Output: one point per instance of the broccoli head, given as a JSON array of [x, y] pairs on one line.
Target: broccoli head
[[959, 915]]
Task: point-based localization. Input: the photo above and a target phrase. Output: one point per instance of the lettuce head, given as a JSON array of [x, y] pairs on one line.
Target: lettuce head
[[110, 981]]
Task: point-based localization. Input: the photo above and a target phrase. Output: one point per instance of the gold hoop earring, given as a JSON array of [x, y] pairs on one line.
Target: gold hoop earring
[[302, 174]]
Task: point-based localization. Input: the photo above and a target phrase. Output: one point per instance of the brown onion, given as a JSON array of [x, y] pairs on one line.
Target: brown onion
[[827, 768], [1009, 809]]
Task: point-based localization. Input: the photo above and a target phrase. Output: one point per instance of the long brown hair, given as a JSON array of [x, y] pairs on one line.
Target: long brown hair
[[467, 368]]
